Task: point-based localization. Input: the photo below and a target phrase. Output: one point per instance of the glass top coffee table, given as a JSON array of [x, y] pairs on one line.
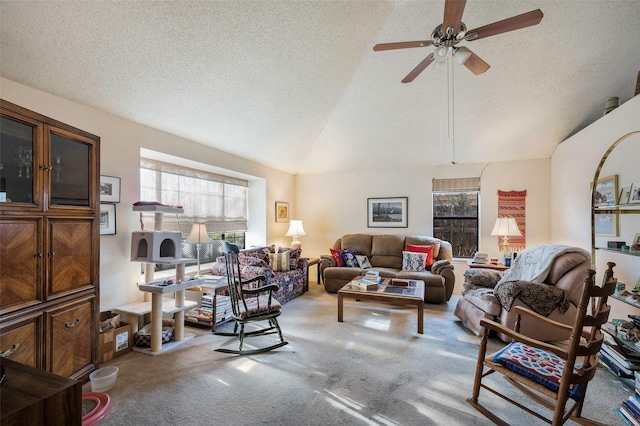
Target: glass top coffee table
[[411, 294]]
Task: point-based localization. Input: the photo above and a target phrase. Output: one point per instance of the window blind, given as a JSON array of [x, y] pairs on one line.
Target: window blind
[[216, 200], [469, 184]]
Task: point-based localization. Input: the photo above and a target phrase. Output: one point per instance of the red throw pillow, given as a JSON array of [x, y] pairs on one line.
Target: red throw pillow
[[423, 249], [337, 256]]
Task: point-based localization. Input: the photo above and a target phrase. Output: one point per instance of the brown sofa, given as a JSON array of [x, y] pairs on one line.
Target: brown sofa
[[478, 300], [385, 254]]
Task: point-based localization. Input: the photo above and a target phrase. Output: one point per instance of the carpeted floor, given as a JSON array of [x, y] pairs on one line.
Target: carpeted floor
[[371, 369]]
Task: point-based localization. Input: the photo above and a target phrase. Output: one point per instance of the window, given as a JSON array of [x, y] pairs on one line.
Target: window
[[218, 201], [455, 214]]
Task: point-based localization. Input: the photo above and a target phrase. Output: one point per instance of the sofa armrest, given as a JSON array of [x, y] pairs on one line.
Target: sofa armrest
[[326, 261], [449, 281]]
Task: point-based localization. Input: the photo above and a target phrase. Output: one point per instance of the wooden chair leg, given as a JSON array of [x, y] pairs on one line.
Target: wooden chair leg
[[480, 366]]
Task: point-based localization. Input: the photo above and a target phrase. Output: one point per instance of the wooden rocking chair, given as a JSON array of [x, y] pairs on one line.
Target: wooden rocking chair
[[251, 301], [550, 374]]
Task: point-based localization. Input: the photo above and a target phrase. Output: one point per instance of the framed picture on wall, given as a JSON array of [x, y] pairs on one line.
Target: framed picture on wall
[[107, 219], [387, 212], [109, 189], [606, 225], [282, 211], [607, 191], [634, 195]]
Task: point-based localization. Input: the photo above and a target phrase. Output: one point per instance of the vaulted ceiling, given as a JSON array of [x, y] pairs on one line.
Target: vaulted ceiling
[[296, 85]]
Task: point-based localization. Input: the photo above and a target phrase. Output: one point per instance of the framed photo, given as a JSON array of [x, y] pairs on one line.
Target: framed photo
[[624, 195], [606, 225], [607, 191], [387, 212], [109, 189], [282, 211], [636, 241], [634, 194], [107, 219]]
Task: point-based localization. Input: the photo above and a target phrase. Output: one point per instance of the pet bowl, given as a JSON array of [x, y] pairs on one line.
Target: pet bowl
[[103, 379]]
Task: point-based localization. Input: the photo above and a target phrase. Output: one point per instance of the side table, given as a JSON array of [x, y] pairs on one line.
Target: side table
[[313, 261], [488, 266]]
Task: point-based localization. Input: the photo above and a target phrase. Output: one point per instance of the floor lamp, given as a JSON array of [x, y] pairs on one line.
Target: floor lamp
[[199, 236]]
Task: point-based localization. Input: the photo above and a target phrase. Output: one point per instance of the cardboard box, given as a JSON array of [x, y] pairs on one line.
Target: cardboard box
[[116, 342]]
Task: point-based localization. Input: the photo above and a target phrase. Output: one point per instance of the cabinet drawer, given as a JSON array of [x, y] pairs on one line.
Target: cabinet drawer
[[21, 341], [69, 338]]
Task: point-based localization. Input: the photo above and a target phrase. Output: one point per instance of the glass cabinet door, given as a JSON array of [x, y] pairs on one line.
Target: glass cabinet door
[[70, 172], [18, 152]]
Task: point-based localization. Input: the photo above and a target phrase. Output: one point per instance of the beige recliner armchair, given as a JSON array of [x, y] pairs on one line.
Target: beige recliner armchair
[[554, 292]]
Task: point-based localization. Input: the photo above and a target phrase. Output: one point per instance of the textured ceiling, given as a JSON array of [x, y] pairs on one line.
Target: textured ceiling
[[296, 85]]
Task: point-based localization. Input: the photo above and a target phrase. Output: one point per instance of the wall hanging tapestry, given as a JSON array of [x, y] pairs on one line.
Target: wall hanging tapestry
[[513, 204]]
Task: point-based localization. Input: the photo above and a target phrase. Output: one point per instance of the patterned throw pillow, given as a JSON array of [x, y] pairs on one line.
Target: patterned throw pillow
[[413, 261], [279, 261], [423, 249], [294, 256], [363, 261], [350, 259], [337, 256]]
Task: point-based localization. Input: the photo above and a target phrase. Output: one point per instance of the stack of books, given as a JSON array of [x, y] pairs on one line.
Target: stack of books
[[369, 281], [619, 352], [629, 410], [480, 257]]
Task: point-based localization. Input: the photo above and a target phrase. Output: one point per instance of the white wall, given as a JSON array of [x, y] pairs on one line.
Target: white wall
[[573, 167], [121, 141], [335, 204]]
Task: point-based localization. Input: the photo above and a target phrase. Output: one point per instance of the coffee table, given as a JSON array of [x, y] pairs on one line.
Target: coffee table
[[387, 293]]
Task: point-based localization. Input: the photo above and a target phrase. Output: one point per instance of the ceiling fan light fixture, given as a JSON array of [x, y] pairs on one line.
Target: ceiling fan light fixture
[[440, 54], [461, 55]]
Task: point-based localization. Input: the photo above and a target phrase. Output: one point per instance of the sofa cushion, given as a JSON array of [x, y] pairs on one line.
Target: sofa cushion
[[279, 261], [337, 256], [350, 260], [425, 241], [423, 249], [485, 300], [358, 243], [412, 261], [294, 256], [363, 261], [562, 265], [386, 251]]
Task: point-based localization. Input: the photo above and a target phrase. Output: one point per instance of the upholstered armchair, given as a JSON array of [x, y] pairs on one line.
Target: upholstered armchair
[[553, 291]]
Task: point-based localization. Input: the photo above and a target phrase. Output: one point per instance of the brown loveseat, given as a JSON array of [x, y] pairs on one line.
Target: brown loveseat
[[555, 296], [385, 254]]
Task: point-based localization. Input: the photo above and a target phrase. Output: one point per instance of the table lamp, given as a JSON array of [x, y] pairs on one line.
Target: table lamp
[[506, 227], [198, 236], [295, 231]]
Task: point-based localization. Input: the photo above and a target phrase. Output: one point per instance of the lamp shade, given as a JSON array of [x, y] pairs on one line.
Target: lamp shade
[[199, 235], [295, 229], [506, 227]]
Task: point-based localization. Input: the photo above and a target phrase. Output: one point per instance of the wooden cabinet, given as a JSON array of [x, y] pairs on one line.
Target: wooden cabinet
[[49, 243]]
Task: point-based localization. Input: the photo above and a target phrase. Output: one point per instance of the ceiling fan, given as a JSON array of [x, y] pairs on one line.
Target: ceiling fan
[[452, 31]]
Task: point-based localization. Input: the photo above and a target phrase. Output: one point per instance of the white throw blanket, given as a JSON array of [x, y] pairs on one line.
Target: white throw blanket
[[534, 263]]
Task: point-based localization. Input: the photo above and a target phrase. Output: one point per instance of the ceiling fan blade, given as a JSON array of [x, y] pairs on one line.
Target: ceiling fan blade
[[418, 69], [453, 10], [514, 23], [402, 45], [474, 63]]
